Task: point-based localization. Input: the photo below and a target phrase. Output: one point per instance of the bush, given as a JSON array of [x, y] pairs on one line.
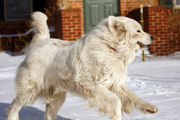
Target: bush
[[15, 45]]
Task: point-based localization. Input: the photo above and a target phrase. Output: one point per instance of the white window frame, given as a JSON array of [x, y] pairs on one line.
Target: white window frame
[[174, 4]]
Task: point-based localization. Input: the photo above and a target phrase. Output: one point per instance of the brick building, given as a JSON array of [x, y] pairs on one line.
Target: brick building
[[80, 16]]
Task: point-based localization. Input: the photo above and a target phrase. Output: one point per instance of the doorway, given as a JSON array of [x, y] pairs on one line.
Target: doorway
[[96, 10]]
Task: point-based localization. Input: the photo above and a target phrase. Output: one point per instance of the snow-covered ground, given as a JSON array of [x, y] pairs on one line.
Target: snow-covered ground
[[157, 80]]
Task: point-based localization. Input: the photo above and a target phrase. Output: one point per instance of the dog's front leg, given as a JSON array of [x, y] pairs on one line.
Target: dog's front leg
[[131, 100]]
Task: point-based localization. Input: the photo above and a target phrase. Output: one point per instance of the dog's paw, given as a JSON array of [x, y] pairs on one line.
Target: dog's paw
[[148, 108]]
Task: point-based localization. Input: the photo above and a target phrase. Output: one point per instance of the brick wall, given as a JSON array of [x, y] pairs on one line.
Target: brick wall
[[167, 40], [59, 18], [69, 24], [76, 3], [158, 27], [129, 5], [174, 28]]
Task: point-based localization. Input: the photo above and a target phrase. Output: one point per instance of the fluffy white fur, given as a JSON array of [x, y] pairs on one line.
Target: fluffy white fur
[[93, 67]]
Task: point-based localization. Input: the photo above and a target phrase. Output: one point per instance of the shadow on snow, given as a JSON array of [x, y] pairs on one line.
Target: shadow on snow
[[27, 113]]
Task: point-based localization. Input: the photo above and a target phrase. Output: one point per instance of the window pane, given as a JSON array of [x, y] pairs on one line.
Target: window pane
[[1, 10], [177, 2], [18, 9], [167, 3]]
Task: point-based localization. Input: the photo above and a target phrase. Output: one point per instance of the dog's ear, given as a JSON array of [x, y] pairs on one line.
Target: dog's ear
[[116, 26]]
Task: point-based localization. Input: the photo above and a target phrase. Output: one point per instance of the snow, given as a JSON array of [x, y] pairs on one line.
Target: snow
[[157, 80]]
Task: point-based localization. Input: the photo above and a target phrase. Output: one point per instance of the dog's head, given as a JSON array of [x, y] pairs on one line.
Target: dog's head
[[127, 29]]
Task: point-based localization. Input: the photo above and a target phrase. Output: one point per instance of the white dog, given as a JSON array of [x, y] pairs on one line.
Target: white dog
[[93, 67]]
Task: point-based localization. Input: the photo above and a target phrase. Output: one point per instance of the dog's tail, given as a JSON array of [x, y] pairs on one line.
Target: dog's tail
[[39, 22]]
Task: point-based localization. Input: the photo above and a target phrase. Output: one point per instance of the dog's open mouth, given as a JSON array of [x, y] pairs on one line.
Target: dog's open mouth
[[141, 45]]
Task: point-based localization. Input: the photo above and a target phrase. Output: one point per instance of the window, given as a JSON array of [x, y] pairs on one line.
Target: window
[[176, 3], [17, 9], [167, 3]]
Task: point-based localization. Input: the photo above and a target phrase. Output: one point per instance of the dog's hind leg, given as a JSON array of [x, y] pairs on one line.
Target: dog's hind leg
[[26, 92], [13, 110], [20, 100], [53, 106]]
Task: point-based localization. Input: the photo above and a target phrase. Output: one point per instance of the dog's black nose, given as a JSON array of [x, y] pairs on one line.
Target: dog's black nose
[[152, 38]]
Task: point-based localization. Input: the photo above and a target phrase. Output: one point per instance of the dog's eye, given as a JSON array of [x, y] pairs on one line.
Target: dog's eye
[[138, 31]]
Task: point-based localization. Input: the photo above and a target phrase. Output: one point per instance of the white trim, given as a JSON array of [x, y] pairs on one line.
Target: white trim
[[174, 4]]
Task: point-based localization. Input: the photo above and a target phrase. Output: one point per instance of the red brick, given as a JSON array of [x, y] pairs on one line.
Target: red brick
[[71, 26]]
